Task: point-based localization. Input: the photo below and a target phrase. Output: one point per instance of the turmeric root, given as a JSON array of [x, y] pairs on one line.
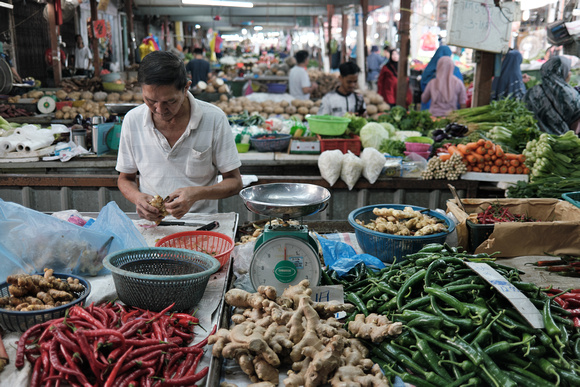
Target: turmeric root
[[17, 291], [60, 295]]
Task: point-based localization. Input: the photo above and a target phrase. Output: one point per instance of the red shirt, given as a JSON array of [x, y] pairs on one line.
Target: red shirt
[[387, 87], [48, 56]]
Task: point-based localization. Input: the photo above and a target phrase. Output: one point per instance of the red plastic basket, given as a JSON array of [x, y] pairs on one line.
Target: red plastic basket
[[343, 144], [217, 245]]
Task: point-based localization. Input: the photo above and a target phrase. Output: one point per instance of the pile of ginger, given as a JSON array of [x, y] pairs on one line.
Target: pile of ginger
[[292, 329], [39, 292], [406, 222]]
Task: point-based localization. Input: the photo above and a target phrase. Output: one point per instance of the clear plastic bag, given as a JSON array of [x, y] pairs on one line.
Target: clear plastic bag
[[31, 241]]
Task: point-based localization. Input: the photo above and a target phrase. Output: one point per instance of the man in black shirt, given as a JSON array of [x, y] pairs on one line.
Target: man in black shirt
[[198, 67]]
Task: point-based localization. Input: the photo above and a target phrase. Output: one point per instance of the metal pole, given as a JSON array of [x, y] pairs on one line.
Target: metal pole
[[55, 49], [404, 23], [132, 41], [95, 41]]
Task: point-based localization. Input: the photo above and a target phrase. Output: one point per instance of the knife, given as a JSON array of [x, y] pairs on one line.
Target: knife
[[204, 227]]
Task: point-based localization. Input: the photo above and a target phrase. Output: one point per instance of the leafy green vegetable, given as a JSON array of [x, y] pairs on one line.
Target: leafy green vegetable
[[389, 127], [372, 135], [356, 123], [548, 187], [393, 147]]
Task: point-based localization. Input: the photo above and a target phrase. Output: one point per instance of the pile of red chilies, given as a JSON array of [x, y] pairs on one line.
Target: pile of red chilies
[[113, 346], [495, 214], [569, 300]]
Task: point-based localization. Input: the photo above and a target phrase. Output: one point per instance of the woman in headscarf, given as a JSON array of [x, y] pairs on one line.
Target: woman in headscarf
[[430, 70], [446, 92], [387, 82], [509, 83], [554, 102]]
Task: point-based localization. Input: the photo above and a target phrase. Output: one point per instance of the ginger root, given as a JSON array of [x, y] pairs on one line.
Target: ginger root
[[374, 327], [271, 331], [159, 203]]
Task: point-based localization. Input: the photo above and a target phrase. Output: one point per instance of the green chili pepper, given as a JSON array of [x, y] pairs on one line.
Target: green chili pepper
[[437, 342], [460, 381], [448, 299], [433, 322], [356, 301], [417, 303], [326, 280], [545, 366], [526, 379], [372, 305], [418, 276], [572, 378], [493, 371], [431, 248], [463, 323], [431, 358]]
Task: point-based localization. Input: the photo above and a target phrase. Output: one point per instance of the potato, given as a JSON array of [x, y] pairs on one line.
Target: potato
[[291, 109], [303, 110], [269, 110], [296, 103], [61, 94], [278, 110], [223, 89], [75, 95], [372, 109], [318, 103], [87, 95], [314, 110], [284, 103], [377, 99], [280, 73], [138, 97], [66, 108], [217, 83], [383, 107], [113, 97], [308, 103], [210, 89], [127, 96], [223, 98], [100, 96], [59, 115]]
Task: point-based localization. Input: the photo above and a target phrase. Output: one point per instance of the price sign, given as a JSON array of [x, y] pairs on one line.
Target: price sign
[[100, 28], [509, 291]]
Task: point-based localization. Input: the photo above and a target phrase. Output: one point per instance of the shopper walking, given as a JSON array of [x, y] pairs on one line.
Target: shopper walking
[[446, 92], [387, 82], [374, 63], [431, 69], [198, 67]]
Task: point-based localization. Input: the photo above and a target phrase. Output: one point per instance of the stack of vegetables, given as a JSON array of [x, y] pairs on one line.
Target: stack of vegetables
[[458, 329], [554, 163], [506, 122], [485, 156]]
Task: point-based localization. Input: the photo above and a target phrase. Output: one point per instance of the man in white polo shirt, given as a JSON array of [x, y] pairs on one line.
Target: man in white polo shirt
[[176, 143]]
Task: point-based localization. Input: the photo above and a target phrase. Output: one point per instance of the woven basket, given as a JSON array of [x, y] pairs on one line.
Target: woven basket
[[154, 278], [217, 245], [278, 144]]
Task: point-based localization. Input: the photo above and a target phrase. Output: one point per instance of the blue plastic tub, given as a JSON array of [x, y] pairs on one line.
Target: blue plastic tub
[[278, 143], [277, 88], [572, 197], [388, 247]]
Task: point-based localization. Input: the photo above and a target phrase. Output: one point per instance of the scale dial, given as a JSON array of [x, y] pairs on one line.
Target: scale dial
[[284, 261]]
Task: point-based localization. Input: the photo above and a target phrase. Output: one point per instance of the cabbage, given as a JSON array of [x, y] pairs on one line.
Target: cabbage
[[390, 128], [401, 135], [373, 134]]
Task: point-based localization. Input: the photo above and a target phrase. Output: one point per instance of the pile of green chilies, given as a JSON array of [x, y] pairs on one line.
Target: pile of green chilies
[[459, 330]]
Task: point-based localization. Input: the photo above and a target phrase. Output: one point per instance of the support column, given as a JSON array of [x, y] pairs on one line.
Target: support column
[[132, 38], [482, 79], [95, 41], [402, 83], [364, 4], [55, 49], [343, 43], [329, 15]]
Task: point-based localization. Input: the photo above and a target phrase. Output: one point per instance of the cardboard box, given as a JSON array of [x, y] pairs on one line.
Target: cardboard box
[[304, 145], [557, 232]]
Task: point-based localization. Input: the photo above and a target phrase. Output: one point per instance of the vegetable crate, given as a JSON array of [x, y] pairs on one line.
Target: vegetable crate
[[572, 197], [277, 88], [388, 247], [343, 144]]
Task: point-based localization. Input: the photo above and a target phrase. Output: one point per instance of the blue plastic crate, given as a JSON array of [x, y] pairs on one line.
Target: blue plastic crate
[[572, 197], [388, 247], [277, 88]]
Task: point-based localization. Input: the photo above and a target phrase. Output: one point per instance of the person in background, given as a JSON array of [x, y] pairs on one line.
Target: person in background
[[446, 92], [6, 57], [344, 100], [299, 83], [178, 145], [83, 57], [555, 104], [374, 63], [387, 82], [430, 70], [198, 67], [510, 82], [386, 52]]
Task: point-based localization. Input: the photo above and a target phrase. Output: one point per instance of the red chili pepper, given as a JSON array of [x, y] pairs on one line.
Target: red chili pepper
[[187, 380], [193, 349], [135, 362], [132, 313], [82, 313], [36, 374], [186, 316], [106, 332], [113, 374], [552, 262], [570, 296], [142, 351], [136, 375], [59, 367], [193, 367], [19, 362], [172, 365], [560, 268], [561, 302], [576, 321], [204, 341]]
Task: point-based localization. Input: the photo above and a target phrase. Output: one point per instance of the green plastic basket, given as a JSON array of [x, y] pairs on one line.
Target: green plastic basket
[[328, 125]]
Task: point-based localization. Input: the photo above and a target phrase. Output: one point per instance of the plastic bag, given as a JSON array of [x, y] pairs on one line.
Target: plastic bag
[[352, 167], [31, 241], [341, 257], [374, 162], [330, 165], [414, 165]]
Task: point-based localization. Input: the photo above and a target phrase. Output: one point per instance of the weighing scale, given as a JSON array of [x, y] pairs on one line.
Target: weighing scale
[[285, 253]]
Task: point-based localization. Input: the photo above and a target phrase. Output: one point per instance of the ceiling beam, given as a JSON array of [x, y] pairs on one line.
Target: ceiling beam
[[246, 12]]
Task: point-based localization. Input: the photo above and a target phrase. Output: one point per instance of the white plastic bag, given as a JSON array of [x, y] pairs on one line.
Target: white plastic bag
[[374, 162], [330, 165], [352, 167]]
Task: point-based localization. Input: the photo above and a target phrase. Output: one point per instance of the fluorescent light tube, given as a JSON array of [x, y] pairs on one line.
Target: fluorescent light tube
[[220, 3]]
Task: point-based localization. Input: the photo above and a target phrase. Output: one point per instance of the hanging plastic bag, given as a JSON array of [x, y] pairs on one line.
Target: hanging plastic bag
[[341, 257]]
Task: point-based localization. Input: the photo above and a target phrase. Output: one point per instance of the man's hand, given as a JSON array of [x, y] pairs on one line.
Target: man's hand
[[181, 200], [146, 210]]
